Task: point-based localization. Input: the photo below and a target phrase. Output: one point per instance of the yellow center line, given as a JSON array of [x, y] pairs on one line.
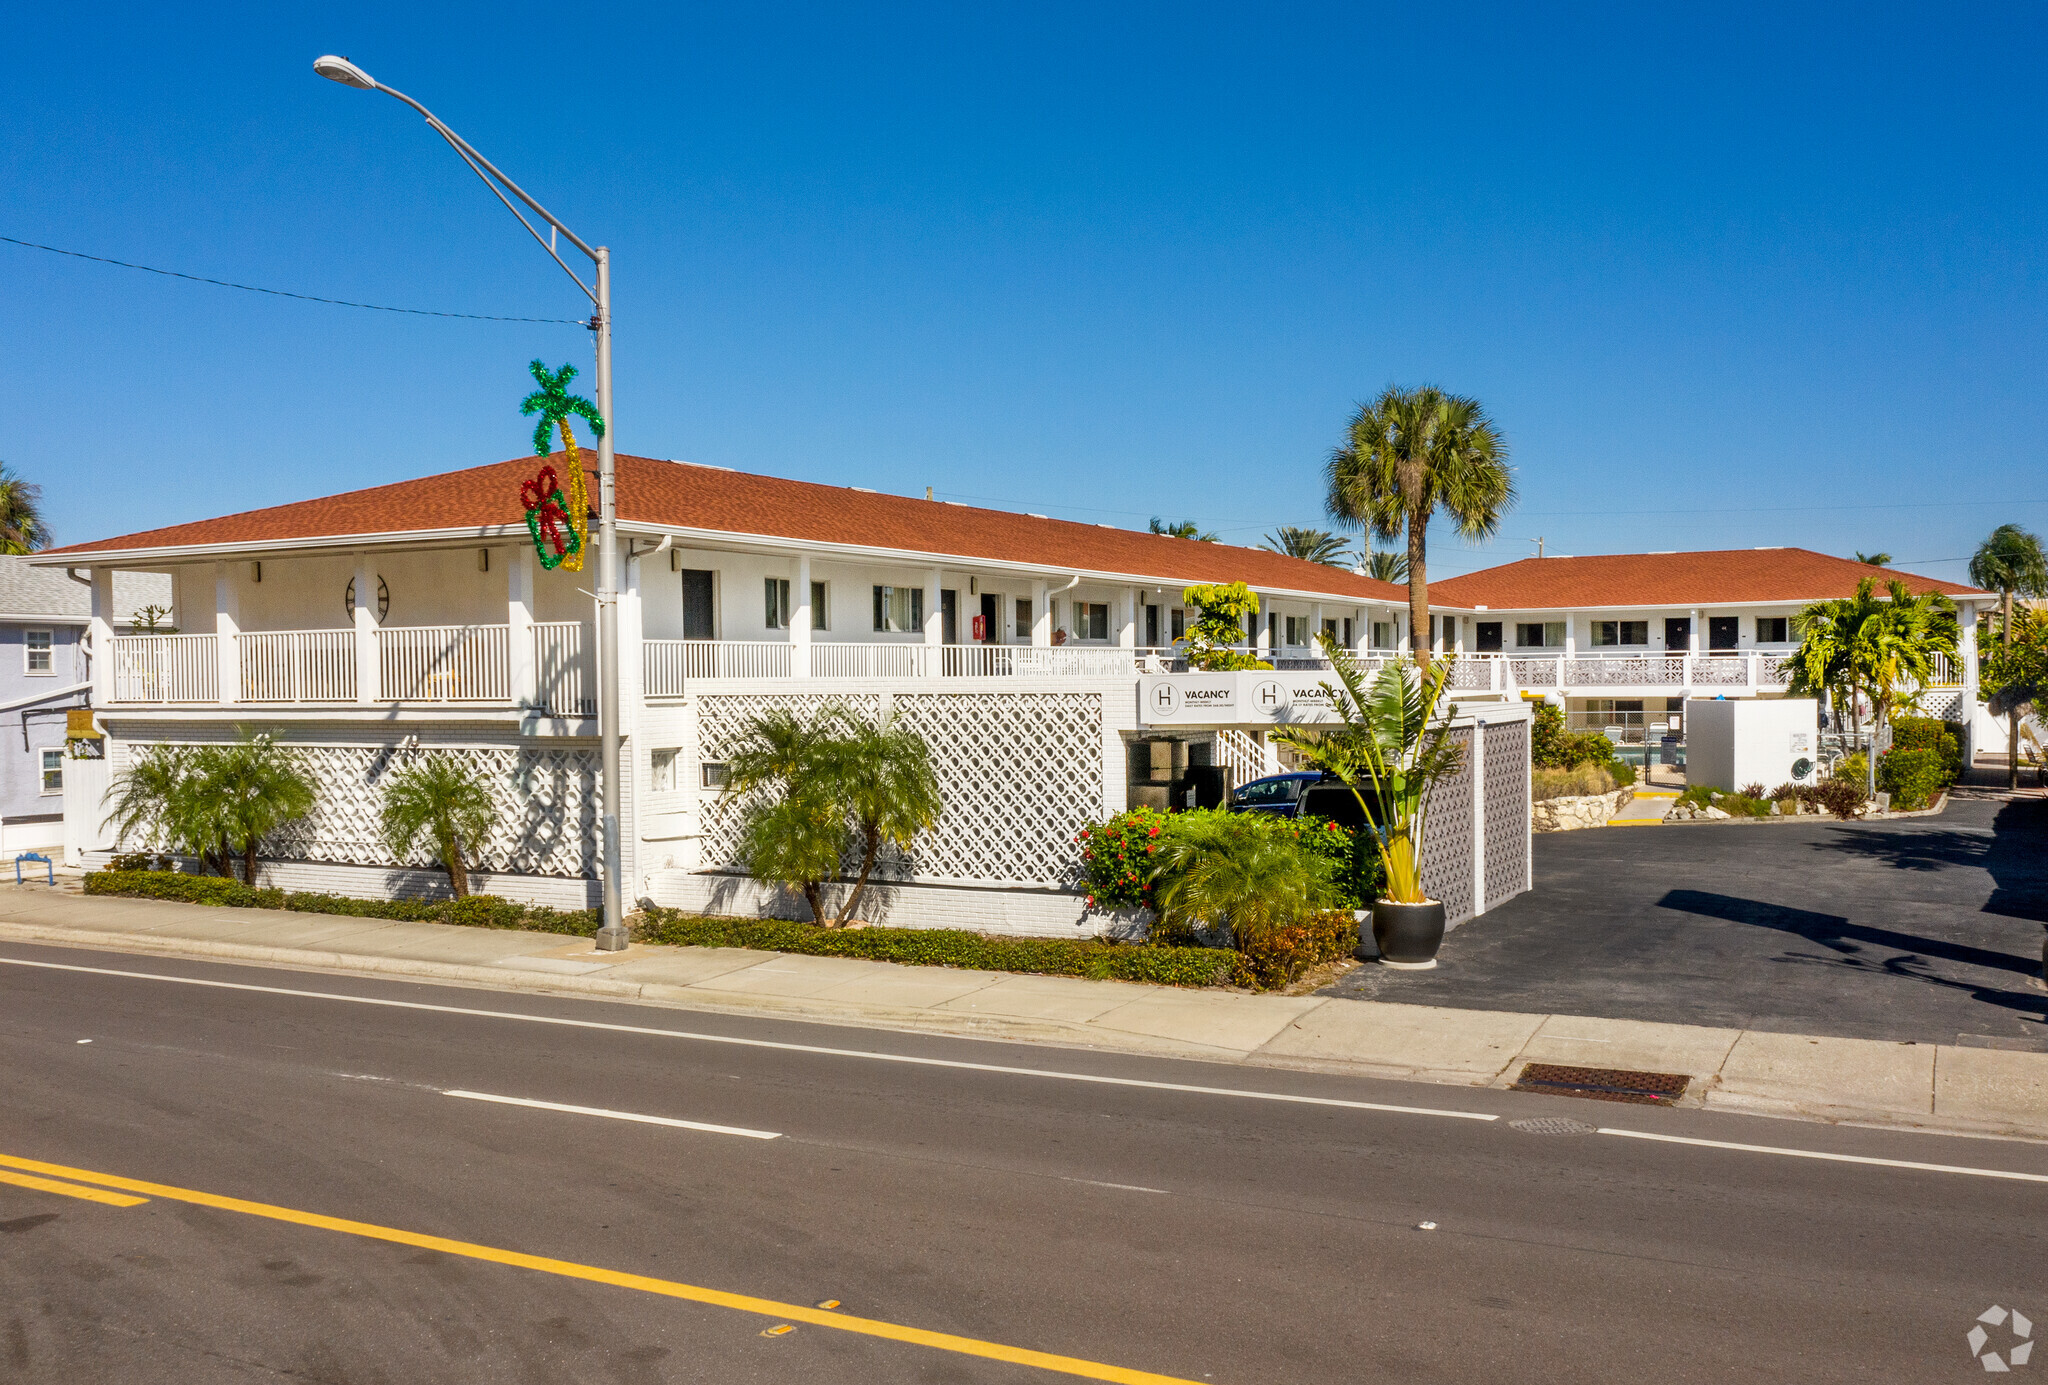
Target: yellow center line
[[569, 1269], [51, 1185]]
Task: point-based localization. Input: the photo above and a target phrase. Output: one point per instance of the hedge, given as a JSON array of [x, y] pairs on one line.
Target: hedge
[[949, 947], [477, 911], [1912, 777]]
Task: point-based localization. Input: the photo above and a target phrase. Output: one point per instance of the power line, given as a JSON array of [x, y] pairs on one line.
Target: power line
[[282, 293]]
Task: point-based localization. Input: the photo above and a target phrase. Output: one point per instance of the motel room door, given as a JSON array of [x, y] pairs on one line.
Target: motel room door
[[1677, 636], [991, 618]]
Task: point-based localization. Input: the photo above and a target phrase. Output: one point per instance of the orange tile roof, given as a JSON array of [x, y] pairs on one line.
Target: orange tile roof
[[1722, 576], [677, 495]]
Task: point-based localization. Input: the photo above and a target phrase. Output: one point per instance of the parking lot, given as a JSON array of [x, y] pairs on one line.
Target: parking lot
[[1924, 929]]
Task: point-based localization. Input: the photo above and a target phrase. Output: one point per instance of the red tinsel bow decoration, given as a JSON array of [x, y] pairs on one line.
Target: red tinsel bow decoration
[[554, 538]]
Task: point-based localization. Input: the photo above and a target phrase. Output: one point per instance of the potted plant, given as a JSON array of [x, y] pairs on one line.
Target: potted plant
[[1389, 745]]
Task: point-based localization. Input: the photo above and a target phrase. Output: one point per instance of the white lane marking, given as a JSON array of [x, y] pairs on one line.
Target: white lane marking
[[1120, 1187], [617, 1115], [1833, 1158], [769, 1043]]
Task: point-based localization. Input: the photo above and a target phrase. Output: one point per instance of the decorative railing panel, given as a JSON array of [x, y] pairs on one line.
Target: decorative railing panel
[[1627, 671], [444, 663], [565, 669], [166, 668], [298, 665], [1720, 671]]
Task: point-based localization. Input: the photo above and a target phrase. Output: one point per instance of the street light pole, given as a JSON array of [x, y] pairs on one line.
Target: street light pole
[[611, 937]]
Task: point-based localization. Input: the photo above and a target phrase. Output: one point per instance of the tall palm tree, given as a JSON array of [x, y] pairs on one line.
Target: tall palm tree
[[1312, 545], [440, 799], [1874, 559], [2010, 562], [555, 405], [1884, 648], [1410, 453], [1186, 529], [22, 527], [1383, 565]]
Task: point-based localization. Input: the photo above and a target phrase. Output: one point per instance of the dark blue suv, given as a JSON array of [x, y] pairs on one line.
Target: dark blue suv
[[1302, 793]]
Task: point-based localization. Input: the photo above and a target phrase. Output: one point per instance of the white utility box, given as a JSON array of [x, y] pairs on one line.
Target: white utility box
[[1731, 742]]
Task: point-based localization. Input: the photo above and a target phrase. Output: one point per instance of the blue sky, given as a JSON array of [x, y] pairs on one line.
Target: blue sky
[[1725, 277]]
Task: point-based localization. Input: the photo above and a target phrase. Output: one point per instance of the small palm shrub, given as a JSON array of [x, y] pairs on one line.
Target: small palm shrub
[[1232, 873], [441, 799], [217, 803]]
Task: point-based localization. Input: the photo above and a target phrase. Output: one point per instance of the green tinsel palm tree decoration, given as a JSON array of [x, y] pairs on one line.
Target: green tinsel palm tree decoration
[[555, 405]]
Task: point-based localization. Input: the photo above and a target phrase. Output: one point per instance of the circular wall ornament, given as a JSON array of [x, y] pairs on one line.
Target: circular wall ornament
[[348, 599]]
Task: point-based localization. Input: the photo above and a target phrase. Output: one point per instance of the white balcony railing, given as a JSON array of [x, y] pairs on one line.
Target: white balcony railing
[[166, 668], [298, 665], [565, 669], [444, 663]]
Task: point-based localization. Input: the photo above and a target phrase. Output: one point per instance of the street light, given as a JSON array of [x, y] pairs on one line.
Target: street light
[[612, 936]]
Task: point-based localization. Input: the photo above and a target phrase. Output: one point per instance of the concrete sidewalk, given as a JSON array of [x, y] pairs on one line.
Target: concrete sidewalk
[[1932, 1086]]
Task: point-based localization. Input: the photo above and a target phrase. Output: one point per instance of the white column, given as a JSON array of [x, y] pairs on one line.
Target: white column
[[1315, 626], [1127, 627], [1041, 616], [525, 673], [800, 618], [1571, 634], [1966, 651], [632, 655], [1692, 645], [934, 625], [366, 629], [1361, 628], [1479, 815], [227, 627], [102, 632]]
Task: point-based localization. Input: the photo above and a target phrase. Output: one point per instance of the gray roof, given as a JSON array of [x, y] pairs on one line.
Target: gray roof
[[45, 591]]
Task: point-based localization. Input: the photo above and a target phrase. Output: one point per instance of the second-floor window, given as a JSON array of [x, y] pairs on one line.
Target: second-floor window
[[40, 658], [1613, 632], [1771, 630], [1297, 630], [1091, 620], [1023, 617], [1548, 634], [899, 610]]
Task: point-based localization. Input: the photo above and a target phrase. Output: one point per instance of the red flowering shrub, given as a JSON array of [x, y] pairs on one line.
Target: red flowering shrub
[[1116, 857]]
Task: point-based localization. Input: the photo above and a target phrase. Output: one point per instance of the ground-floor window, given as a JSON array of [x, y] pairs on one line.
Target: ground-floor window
[[53, 771]]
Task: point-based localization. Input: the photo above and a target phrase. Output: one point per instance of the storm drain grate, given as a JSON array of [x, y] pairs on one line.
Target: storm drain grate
[[1553, 1125], [1603, 1084]]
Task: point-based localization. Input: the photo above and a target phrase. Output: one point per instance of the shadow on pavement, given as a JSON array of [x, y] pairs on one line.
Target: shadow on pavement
[[2014, 852]]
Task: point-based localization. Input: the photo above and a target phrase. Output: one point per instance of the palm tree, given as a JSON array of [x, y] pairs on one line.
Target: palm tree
[[440, 799], [2010, 562], [797, 836], [246, 790], [1410, 453], [148, 803], [22, 527], [883, 773], [1384, 566], [1311, 545], [555, 405], [1883, 648], [1874, 559], [1390, 744], [1186, 529]]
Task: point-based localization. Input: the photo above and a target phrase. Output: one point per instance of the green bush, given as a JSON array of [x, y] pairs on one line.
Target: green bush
[[1356, 875], [1624, 773], [1572, 783], [947, 947], [1116, 856], [1911, 777], [1286, 954], [1842, 797], [477, 911], [1552, 746], [1853, 769], [1928, 733]]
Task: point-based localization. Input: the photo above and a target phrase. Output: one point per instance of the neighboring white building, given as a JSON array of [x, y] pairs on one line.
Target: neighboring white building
[[1623, 639], [368, 626]]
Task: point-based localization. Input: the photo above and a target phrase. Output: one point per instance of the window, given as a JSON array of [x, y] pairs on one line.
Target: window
[[1330, 628], [1489, 635], [778, 603], [1612, 632], [36, 643], [53, 772], [1548, 635], [1383, 636], [1023, 617], [819, 607], [1771, 630], [1297, 630], [899, 610], [1180, 624], [663, 778], [1091, 620], [1151, 627], [1270, 791], [714, 774]]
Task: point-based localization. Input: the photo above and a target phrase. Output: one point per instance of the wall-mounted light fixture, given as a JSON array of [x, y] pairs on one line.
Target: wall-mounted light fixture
[[483, 560], [255, 572]]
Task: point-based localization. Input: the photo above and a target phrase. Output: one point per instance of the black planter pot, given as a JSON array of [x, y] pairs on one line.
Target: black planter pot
[[1408, 935]]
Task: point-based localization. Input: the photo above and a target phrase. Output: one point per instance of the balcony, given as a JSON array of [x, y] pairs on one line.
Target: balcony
[[433, 664]]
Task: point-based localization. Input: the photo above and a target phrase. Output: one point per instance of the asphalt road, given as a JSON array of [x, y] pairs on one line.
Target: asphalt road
[[1200, 1235], [1922, 929]]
